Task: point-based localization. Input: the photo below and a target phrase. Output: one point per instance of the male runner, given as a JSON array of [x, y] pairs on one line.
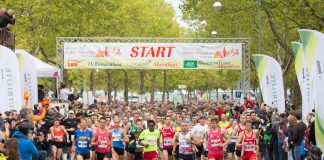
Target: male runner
[[185, 140], [167, 133], [199, 131], [81, 145], [102, 141], [71, 124], [150, 139], [240, 128], [119, 137], [249, 141], [58, 132], [214, 141]]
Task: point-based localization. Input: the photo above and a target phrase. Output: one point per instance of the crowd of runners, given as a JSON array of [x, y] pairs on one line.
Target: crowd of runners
[[223, 129]]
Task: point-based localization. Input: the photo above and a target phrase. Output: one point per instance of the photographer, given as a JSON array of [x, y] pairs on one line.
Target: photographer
[[23, 136], [6, 18], [42, 146]]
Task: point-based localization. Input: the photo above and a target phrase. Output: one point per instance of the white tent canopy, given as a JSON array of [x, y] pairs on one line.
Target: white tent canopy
[[44, 70]]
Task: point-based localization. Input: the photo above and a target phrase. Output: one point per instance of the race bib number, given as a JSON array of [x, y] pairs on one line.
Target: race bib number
[[103, 144], [116, 138], [58, 138], [83, 144], [184, 144], [249, 147], [167, 142], [151, 141], [215, 143]]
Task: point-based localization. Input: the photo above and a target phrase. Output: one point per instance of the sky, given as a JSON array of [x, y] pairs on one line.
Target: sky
[[175, 5]]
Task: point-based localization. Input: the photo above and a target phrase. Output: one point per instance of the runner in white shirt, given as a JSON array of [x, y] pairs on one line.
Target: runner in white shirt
[[199, 131]]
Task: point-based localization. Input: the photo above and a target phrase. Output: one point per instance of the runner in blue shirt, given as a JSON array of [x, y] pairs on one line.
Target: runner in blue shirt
[[81, 144]]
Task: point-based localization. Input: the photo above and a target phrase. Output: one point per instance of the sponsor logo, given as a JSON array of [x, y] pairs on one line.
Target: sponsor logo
[[190, 64], [107, 52], [225, 52], [73, 63]]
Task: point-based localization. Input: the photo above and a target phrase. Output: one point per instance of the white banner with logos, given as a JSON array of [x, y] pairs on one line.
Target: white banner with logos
[[153, 55], [10, 91]]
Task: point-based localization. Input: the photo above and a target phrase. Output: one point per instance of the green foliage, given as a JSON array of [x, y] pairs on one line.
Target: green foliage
[[239, 18]]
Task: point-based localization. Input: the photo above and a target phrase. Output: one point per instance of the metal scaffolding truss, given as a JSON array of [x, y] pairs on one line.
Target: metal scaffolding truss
[[245, 71]]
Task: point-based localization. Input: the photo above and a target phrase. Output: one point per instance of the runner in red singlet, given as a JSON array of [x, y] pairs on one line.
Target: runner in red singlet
[[167, 133], [239, 129], [215, 141], [247, 139]]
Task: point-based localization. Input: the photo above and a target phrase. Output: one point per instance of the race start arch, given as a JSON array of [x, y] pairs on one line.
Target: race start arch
[[155, 53]]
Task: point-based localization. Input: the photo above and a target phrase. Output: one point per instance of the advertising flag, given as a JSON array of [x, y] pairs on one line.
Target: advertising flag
[[28, 77], [10, 92], [271, 81], [303, 76], [313, 47]]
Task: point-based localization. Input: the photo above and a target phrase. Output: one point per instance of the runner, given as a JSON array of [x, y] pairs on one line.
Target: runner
[[58, 132], [214, 140], [185, 140], [199, 131], [240, 128], [224, 124], [71, 125], [231, 132], [150, 139], [81, 145], [167, 133], [119, 137], [136, 150], [249, 142], [102, 141]]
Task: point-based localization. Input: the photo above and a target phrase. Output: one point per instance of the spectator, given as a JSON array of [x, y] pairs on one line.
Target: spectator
[[65, 92], [42, 145], [26, 153], [11, 146], [248, 103], [41, 93], [6, 18], [311, 135], [292, 120], [299, 133], [317, 154]]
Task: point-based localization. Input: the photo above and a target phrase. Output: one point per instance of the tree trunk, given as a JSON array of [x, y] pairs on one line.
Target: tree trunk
[[164, 85], [109, 74], [217, 94], [142, 83], [115, 93], [92, 81], [189, 94], [126, 86], [153, 87], [296, 93], [65, 75], [232, 94], [168, 95]]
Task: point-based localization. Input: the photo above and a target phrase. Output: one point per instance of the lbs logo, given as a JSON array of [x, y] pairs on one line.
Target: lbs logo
[[73, 63]]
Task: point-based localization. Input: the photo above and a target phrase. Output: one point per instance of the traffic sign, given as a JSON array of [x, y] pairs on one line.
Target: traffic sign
[[238, 94]]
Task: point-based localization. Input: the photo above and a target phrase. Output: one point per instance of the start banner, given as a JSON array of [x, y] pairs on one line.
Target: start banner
[[153, 56]]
